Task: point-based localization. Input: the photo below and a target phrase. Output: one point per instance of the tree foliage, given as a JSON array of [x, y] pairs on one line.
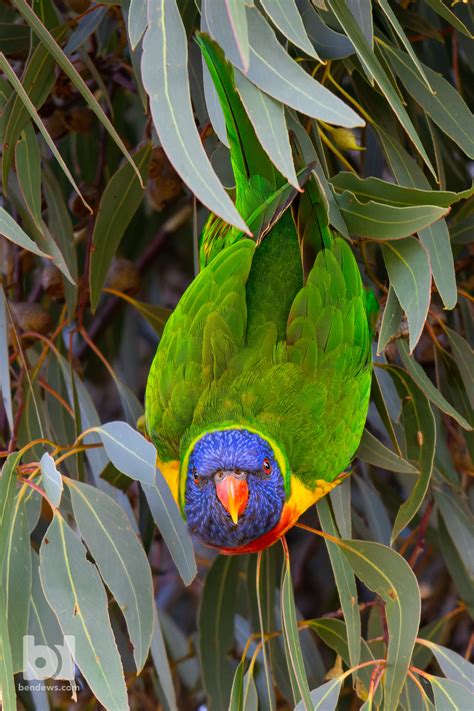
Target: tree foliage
[[113, 151]]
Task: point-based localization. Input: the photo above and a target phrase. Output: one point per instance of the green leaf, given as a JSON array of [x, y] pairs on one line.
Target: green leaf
[[464, 357], [291, 638], [276, 73], [12, 231], [28, 169], [52, 479], [172, 527], [383, 221], [85, 27], [391, 318], [392, 19], [374, 67], [372, 451], [445, 106], [250, 696], [7, 682], [452, 665], [137, 21], [366, 189], [237, 691], [385, 572], [14, 39], [450, 696], [345, 582], [75, 592], [18, 86], [361, 11], [325, 697], [160, 660], [37, 80], [60, 226], [120, 200], [454, 559], [129, 451], [460, 524], [409, 271], [216, 623], [69, 69], [42, 624], [5, 386], [423, 382], [268, 119], [443, 10], [420, 436], [237, 18], [328, 43], [7, 495], [285, 15], [16, 579], [164, 69], [122, 563]]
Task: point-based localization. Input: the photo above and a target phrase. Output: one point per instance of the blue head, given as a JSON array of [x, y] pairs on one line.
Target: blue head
[[234, 488]]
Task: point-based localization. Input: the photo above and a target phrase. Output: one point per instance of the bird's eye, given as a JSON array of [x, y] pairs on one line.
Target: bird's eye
[[267, 466], [196, 477]]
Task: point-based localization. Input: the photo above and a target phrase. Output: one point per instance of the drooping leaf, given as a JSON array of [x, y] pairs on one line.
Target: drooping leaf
[[325, 697], [384, 221], [345, 582], [268, 119], [216, 622], [164, 64], [52, 479], [16, 579], [372, 64], [420, 437], [129, 451], [156, 315], [276, 73], [445, 106], [460, 524], [385, 572], [121, 560], [291, 637], [28, 170], [430, 390], [372, 451], [160, 660], [391, 318], [120, 200], [366, 189], [68, 68], [409, 270], [86, 26], [453, 665], [449, 695], [5, 387], [464, 357], [172, 527], [286, 17], [12, 231], [137, 21], [74, 590]]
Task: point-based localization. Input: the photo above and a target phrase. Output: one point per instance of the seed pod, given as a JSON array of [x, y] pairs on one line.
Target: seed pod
[[52, 282], [31, 317], [165, 186], [123, 275]]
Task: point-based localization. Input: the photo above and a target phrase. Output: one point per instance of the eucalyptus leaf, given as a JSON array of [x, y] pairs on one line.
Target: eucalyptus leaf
[[52, 480], [75, 592], [164, 63]]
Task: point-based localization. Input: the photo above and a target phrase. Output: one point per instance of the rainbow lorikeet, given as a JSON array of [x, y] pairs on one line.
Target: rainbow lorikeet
[[258, 393]]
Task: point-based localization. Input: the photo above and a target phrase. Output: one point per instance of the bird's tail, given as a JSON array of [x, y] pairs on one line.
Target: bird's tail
[[262, 194]]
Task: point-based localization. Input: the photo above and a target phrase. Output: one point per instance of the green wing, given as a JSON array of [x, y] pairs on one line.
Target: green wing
[[205, 331], [329, 338]]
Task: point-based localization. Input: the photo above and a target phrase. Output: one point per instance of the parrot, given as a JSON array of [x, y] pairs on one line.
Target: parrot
[[257, 396]]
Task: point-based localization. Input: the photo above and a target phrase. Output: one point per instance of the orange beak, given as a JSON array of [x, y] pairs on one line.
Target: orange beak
[[233, 494]]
